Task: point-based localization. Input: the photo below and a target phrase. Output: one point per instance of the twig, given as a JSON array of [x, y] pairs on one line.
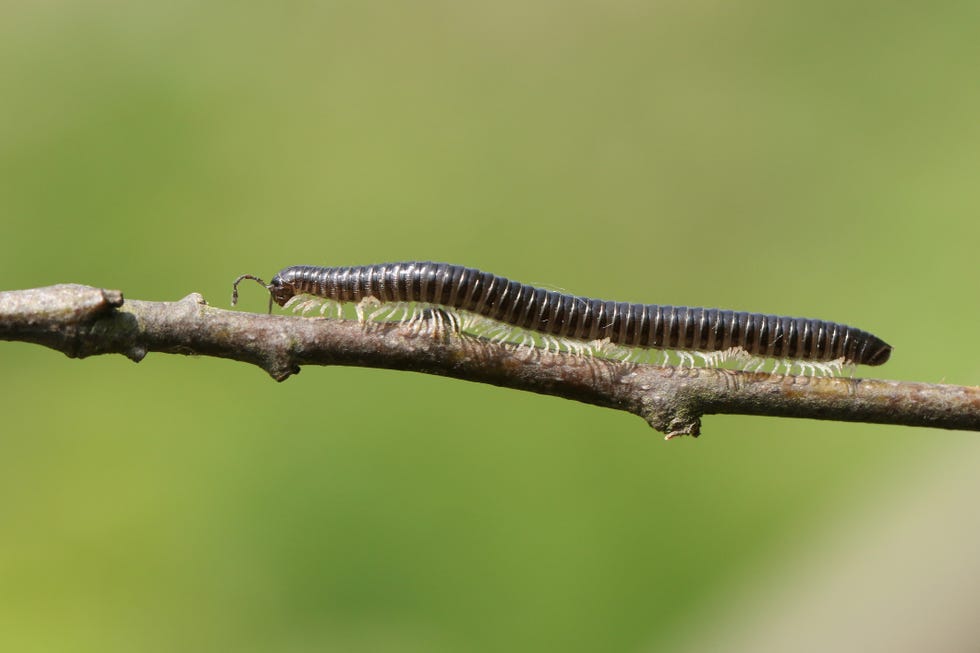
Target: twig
[[84, 321]]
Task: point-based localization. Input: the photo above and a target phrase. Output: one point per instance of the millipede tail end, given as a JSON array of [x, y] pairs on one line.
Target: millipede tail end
[[880, 355]]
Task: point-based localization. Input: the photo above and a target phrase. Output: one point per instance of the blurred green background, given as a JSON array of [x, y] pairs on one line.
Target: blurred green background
[[797, 158]]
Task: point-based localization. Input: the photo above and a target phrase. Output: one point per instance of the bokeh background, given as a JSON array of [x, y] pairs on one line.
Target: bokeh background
[[816, 159]]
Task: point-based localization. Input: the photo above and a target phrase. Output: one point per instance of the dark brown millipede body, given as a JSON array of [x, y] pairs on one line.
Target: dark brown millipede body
[[580, 318]]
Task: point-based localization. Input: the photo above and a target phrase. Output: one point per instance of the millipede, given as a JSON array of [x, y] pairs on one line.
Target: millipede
[[569, 320]]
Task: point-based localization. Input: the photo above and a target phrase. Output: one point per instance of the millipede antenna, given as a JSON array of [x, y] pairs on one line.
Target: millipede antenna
[[234, 289]]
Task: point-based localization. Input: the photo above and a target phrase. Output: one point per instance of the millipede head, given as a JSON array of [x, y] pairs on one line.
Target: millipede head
[[281, 291]]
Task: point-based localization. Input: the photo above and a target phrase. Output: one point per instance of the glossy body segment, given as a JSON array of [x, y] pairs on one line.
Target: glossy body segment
[[581, 318]]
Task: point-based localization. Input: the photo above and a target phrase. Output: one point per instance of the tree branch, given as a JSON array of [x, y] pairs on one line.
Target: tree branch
[[84, 321]]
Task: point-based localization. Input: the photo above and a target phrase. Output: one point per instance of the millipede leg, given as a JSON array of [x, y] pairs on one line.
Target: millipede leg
[[367, 303]]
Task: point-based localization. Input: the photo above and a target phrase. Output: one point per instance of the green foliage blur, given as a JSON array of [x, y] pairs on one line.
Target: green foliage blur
[[816, 159]]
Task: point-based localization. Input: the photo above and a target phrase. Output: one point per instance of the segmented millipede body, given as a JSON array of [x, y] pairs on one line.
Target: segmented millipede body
[[580, 318]]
